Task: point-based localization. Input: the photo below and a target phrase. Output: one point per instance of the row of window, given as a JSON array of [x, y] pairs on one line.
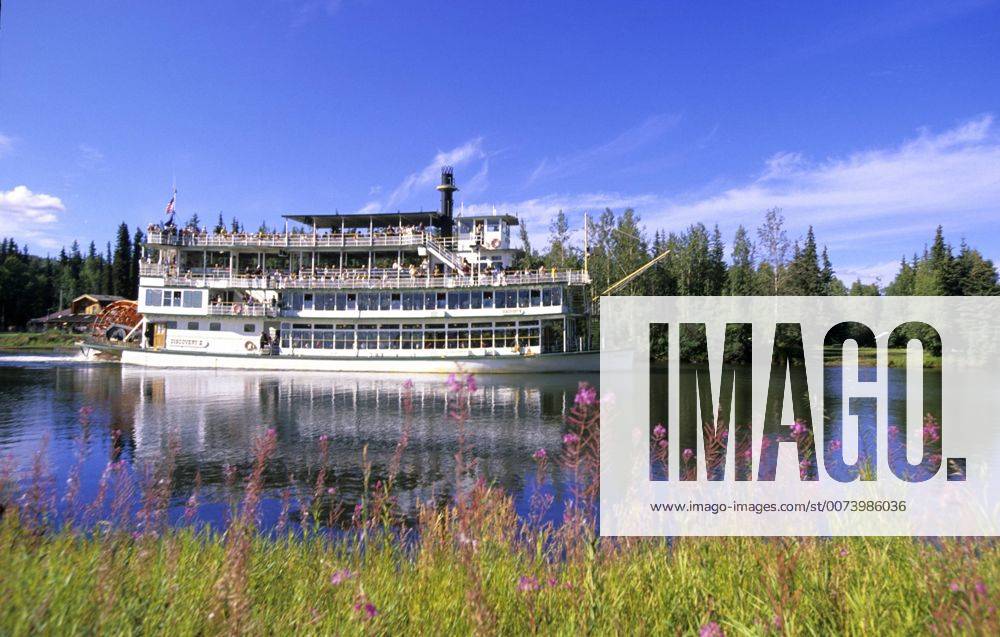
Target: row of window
[[383, 301], [403, 336], [174, 298]]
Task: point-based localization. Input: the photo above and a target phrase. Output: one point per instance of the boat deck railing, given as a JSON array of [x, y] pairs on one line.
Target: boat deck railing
[[403, 238], [334, 279], [241, 309]]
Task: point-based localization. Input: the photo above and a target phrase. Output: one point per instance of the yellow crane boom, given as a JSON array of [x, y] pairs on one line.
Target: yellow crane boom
[[617, 285]]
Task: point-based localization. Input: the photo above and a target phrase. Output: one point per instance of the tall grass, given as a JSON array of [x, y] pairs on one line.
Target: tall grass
[[469, 566]]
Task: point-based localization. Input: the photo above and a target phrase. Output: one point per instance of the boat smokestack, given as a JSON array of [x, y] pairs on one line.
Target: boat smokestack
[[447, 189]]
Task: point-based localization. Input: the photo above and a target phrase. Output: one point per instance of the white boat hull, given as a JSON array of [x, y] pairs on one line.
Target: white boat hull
[[576, 362]]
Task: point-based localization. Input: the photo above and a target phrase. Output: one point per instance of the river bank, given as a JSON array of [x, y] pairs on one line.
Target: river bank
[[49, 340]]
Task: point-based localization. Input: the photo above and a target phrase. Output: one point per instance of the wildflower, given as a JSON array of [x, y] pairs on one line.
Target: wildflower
[[341, 576], [659, 431], [408, 384], [553, 582], [954, 587], [367, 608], [843, 552], [571, 439], [331, 490], [663, 444], [470, 383], [893, 430], [688, 454], [586, 395], [324, 438], [804, 467], [541, 454], [799, 429], [980, 587], [834, 445], [711, 629], [777, 622], [526, 584], [453, 384]]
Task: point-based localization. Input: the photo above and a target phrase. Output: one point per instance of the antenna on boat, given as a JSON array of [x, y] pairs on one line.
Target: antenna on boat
[[586, 242]]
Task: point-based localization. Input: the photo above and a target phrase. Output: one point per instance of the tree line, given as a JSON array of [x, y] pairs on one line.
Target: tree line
[[33, 286], [765, 263]]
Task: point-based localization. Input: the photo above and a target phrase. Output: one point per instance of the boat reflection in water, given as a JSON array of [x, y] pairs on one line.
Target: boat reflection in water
[[211, 420]]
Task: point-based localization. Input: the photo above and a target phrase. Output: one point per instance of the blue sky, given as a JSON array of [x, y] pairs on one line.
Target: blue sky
[[872, 121]]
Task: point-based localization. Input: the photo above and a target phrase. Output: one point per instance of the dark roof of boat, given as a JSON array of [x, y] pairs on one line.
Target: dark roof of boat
[[362, 220]]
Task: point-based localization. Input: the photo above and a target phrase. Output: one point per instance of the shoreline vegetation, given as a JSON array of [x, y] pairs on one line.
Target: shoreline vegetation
[[48, 340], [135, 559]]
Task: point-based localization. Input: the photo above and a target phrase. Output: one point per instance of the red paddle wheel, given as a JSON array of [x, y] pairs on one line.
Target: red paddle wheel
[[117, 321]]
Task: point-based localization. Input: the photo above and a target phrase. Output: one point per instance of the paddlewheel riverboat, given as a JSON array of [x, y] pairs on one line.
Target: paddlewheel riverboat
[[397, 292]]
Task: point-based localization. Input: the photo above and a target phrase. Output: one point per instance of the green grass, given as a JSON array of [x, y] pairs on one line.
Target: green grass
[[897, 357], [51, 339], [66, 584]]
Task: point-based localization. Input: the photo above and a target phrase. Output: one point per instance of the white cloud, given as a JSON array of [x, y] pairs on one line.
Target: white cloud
[[6, 144], [881, 273], [632, 139], [468, 153], [26, 215], [878, 195]]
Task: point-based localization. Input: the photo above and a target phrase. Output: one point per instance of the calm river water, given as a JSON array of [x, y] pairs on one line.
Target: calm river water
[[211, 419]]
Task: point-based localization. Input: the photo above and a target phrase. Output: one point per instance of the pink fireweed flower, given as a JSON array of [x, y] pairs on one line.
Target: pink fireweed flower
[[711, 629], [527, 584], [470, 383], [688, 454], [571, 439], [893, 430], [453, 384], [954, 587], [834, 445], [659, 431], [408, 384], [980, 587], [367, 608], [586, 395], [541, 454], [843, 552], [799, 429], [341, 576], [663, 444]]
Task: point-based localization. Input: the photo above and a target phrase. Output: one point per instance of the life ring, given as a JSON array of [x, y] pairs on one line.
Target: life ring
[[495, 244], [237, 309], [250, 346]]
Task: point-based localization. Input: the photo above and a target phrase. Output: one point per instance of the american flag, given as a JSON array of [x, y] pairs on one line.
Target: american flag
[[170, 205]]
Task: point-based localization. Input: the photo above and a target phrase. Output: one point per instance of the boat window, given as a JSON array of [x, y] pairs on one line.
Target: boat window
[[352, 301], [408, 300], [193, 325], [493, 225], [477, 300], [395, 303], [488, 299], [248, 328], [344, 337], [536, 298], [523, 298], [192, 298], [154, 297], [556, 296], [453, 300], [171, 325], [384, 301], [388, 337], [547, 296], [367, 337], [511, 296], [429, 300], [463, 299], [434, 337], [215, 327], [442, 303]]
